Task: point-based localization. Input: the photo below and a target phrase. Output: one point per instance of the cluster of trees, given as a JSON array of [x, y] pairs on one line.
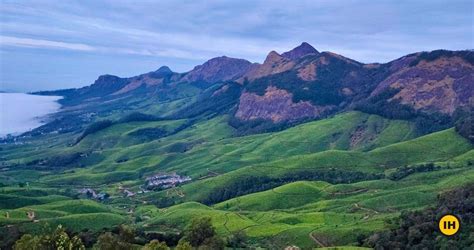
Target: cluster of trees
[[462, 119], [199, 234], [58, 239], [202, 235], [323, 91], [424, 123], [243, 128], [402, 172], [435, 54], [126, 239], [252, 184], [149, 134], [210, 103], [61, 160], [103, 124], [163, 202], [139, 117], [419, 229], [93, 128], [464, 122], [239, 187]]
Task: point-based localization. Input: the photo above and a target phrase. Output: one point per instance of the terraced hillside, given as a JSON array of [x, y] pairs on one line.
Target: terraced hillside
[[331, 180]]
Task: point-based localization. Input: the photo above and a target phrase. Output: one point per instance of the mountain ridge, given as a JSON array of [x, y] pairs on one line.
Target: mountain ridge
[[297, 85]]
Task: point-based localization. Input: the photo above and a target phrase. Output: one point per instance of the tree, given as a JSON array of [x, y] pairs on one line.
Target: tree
[[213, 243], [109, 241], [199, 230], [8, 236], [59, 239], [416, 230], [127, 233], [76, 243], [237, 239], [27, 241], [184, 245], [156, 245]]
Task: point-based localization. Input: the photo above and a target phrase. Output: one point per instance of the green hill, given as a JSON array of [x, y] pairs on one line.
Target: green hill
[[331, 179]]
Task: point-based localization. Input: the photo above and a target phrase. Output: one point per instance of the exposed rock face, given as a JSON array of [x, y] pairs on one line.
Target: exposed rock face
[[303, 50], [440, 85], [218, 69], [273, 64], [438, 81], [275, 105], [308, 72]]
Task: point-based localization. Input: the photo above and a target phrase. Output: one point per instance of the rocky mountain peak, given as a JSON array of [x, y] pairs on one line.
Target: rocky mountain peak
[[303, 49], [274, 63], [162, 72], [273, 56], [106, 79], [164, 69], [104, 85], [218, 69]]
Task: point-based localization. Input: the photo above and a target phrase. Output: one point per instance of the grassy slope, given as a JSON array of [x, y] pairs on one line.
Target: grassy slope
[[212, 147], [290, 195], [351, 141], [379, 199], [337, 213], [442, 146]]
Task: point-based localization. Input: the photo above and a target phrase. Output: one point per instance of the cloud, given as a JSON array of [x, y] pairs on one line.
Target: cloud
[[48, 44], [38, 43], [185, 33]]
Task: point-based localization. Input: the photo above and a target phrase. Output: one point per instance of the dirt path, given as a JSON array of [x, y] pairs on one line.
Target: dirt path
[[316, 240], [351, 192], [364, 208]]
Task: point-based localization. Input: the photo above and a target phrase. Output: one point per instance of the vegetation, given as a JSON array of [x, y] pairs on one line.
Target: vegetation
[[319, 92], [156, 245], [464, 122], [339, 179], [252, 184], [419, 229], [149, 134], [139, 117], [215, 100], [58, 239], [368, 177], [201, 233], [94, 127], [402, 172], [380, 104], [435, 54]]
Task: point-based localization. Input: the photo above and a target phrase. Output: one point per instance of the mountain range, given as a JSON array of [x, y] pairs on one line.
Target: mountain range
[[298, 85]]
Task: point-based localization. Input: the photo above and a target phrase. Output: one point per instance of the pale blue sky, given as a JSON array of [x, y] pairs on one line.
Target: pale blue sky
[[62, 44]]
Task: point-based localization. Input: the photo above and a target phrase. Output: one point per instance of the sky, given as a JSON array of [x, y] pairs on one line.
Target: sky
[[63, 44]]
